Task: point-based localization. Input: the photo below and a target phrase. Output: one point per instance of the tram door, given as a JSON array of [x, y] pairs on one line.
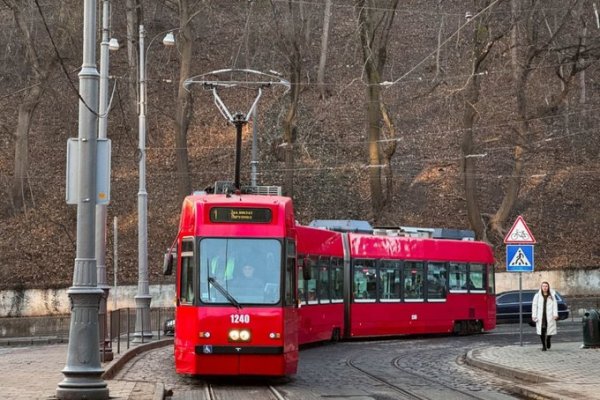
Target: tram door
[[290, 307]]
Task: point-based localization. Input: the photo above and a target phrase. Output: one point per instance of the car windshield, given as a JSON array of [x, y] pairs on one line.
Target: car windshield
[[240, 271]]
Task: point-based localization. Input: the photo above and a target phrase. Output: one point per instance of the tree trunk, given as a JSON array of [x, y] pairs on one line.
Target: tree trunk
[[289, 123], [21, 166], [468, 161], [514, 180], [324, 43], [40, 70], [184, 101]]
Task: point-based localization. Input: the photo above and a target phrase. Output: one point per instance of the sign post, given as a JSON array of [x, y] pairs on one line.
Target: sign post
[[519, 258]]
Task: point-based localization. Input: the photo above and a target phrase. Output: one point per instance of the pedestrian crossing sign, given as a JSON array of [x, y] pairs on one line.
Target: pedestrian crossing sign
[[519, 258]]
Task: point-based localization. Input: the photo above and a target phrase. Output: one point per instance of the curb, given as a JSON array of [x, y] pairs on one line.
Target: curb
[[116, 365], [32, 341], [512, 373]]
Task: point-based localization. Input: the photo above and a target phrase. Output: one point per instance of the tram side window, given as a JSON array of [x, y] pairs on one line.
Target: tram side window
[[301, 281], [458, 277], [324, 280], [436, 281], [413, 280], [337, 280], [476, 280], [186, 286], [289, 272], [312, 282], [491, 280], [365, 280], [391, 284]]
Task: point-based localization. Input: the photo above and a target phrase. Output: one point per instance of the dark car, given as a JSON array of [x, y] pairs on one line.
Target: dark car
[[169, 327], [507, 306]]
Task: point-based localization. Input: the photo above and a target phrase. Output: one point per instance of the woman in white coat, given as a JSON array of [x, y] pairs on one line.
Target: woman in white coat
[[544, 312]]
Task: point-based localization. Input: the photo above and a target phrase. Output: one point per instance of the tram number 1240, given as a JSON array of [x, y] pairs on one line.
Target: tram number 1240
[[240, 318]]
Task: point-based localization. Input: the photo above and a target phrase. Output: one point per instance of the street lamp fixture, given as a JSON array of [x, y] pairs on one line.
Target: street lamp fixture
[[113, 44], [169, 39]]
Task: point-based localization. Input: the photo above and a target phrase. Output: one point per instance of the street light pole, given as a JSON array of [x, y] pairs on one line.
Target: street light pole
[[83, 372], [143, 298], [106, 348]]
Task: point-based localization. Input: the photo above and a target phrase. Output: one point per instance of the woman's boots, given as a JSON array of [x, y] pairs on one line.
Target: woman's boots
[[544, 342]]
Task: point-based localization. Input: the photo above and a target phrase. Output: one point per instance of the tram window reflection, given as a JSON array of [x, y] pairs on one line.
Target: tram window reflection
[[337, 280], [477, 277], [391, 284], [413, 281], [365, 281], [436, 281], [458, 276]]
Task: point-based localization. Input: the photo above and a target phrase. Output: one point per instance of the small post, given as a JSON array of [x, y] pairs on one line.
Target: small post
[[115, 260]]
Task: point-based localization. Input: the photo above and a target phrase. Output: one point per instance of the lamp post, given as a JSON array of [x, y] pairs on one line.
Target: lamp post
[[100, 246], [143, 298], [83, 372]]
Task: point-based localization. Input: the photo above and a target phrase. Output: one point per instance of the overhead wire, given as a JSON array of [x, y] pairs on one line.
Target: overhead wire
[[61, 60]]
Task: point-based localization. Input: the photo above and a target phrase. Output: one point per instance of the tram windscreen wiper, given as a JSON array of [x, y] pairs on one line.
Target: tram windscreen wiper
[[224, 292]]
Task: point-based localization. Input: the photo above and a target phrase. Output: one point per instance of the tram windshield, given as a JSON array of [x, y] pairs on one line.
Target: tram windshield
[[240, 271]]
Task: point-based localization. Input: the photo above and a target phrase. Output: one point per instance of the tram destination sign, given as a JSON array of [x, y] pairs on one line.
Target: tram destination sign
[[238, 214]]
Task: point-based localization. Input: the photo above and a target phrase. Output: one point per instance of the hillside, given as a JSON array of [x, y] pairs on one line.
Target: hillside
[[560, 179]]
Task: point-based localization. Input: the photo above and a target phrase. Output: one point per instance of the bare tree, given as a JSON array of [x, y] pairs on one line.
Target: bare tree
[[292, 22], [481, 45], [183, 111], [41, 62], [529, 45], [324, 44], [375, 23], [531, 41]]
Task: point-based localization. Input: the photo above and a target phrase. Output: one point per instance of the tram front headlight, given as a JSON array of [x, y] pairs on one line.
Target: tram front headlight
[[234, 335], [245, 335]]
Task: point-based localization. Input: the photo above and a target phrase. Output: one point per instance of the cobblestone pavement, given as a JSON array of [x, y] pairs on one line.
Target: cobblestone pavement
[[34, 372], [564, 372], [567, 371]]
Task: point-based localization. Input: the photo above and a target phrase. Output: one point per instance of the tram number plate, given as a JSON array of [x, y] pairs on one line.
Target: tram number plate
[[240, 318]]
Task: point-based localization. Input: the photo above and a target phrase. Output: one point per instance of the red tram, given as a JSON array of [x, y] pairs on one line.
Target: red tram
[[253, 285]]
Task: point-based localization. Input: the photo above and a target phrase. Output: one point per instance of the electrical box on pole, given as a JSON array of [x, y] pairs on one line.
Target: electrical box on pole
[[102, 171]]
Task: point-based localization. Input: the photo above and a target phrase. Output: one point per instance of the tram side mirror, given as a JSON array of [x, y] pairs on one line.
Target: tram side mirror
[[168, 263]]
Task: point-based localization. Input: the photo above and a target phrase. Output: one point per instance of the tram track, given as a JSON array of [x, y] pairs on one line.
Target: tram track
[[396, 364], [408, 395], [411, 385], [211, 391]]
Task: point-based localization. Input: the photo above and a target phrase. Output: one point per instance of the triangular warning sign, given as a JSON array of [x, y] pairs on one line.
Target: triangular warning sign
[[519, 259], [519, 233]]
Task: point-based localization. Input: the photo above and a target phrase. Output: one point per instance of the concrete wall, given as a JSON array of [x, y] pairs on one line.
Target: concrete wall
[[571, 283], [39, 302]]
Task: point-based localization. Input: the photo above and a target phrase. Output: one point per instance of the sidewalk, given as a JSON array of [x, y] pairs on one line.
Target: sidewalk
[[567, 371], [33, 373]]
